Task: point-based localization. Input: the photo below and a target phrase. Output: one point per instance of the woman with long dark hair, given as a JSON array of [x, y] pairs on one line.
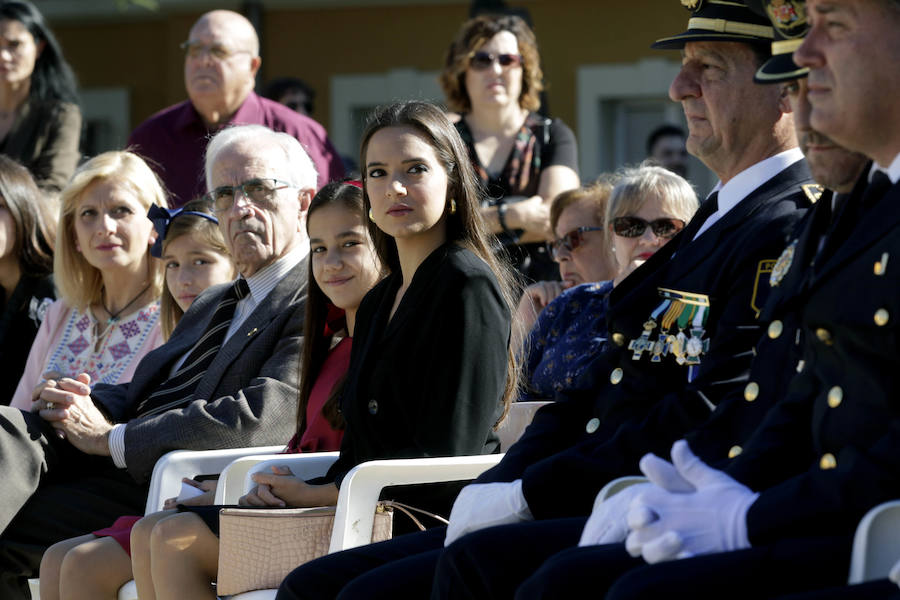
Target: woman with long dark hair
[[40, 122]]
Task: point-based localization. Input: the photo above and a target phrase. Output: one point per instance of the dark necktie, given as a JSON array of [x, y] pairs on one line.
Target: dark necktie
[[847, 216], [180, 386], [706, 210]]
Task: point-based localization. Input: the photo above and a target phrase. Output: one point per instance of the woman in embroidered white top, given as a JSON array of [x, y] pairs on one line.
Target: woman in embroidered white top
[[109, 286]]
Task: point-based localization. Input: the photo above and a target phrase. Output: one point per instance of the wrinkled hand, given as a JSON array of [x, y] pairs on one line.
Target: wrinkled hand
[[75, 414], [204, 499], [481, 505], [48, 379], [668, 524]]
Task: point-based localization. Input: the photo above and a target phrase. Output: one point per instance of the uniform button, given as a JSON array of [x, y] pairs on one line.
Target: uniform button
[[775, 329], [592, 425], [824, 335], [800, 365], [882, 316], [618, 339], [616, 376], [751, 392], [835, 396], [373, 406], [828, 461], [735, 450]]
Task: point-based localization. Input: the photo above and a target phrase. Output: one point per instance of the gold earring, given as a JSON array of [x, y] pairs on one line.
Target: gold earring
[[371, 215], [452, 206]]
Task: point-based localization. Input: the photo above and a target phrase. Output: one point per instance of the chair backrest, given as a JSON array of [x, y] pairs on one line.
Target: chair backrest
[[519, 417], [876, 546]]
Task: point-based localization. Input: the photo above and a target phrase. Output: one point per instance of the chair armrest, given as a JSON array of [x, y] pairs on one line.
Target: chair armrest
[[305, 466], [617, 485], [362, 486], [165, 482], [876, 545]]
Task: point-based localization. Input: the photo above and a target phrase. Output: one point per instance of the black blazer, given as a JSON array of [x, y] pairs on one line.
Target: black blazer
[[430, 382], [830, 450], [20, 319], [626, 406]]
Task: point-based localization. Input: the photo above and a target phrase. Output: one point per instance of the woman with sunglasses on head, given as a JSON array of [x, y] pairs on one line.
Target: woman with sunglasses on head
[[492, 78], [647, 206]]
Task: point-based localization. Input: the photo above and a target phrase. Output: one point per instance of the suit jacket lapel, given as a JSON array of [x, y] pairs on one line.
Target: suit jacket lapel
[[278, 300], [874, 224]]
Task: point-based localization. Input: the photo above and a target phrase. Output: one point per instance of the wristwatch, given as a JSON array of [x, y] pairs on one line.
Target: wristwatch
[[501, 217]]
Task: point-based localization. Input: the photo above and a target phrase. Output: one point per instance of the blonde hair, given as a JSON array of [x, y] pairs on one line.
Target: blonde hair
[[634, 186], [79, 283]]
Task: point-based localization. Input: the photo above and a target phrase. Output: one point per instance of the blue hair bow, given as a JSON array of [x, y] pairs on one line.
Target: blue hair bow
[[162, 217]]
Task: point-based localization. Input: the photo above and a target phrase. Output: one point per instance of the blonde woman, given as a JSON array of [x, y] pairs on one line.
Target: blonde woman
[[107, 317]]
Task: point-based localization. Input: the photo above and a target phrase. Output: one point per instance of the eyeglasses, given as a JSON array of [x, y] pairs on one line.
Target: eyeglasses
[[258, 191], [479, 61], [569, 241], [217, 51], [632, 227]]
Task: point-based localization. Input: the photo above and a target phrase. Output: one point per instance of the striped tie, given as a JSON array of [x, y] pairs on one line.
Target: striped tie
[[179, 388]]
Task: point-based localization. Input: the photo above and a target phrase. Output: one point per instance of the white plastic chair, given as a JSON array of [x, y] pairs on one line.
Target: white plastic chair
[[876, 545], [617, 485]]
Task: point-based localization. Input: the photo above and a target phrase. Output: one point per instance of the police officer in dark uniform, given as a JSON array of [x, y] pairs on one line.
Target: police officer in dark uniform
[[780, 516], [683, 325]]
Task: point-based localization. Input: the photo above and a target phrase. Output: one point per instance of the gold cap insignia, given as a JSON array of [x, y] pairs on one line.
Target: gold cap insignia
[[787, 16]]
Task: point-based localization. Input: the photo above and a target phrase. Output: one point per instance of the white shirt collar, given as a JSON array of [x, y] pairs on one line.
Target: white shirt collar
[[264, 281], [893, 171]]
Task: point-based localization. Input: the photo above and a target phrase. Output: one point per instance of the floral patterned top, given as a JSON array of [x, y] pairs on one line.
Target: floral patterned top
[[569, 332], [68, 342]]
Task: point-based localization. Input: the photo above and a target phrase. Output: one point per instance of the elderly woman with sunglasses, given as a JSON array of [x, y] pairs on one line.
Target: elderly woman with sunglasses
[[492, 78], [647, 206]]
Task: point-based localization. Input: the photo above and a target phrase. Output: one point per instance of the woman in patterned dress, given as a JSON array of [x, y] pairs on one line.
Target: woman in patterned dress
[[109, 286]]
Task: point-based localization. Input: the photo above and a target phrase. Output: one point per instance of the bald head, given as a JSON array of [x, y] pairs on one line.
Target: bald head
[[221, 64]]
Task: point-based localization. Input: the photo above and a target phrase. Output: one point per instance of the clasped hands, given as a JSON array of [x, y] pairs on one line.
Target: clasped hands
[[66, 404], [687, 509]]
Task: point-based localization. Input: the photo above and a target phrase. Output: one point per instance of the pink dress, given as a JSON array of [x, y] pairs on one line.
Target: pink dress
[[317, 437], [66, 343]]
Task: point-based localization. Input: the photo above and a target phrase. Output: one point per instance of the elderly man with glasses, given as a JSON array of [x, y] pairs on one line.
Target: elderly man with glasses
[[220, 66], [226, 378]]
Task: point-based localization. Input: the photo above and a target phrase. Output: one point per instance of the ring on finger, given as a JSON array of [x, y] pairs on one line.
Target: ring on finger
[[49, 405]]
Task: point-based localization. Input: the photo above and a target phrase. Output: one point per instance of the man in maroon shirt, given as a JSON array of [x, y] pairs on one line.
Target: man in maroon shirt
[[220, 65]]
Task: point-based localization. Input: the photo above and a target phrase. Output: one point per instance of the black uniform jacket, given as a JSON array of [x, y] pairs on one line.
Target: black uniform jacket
[[631, 402], [830, 450], [430, 381]]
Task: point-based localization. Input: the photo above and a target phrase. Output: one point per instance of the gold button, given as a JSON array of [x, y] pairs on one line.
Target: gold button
[[616, 376], [828, 461], [751, 392], [878, 269], [618, 339], [835, 396], [373, 406], [824, 335], [775, 329], [592, 425], [735, 450], [882, 316]]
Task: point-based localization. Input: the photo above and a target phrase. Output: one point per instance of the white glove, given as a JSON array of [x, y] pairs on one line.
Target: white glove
[[607, 524], [895, 573], [481, 505], [667, 525]]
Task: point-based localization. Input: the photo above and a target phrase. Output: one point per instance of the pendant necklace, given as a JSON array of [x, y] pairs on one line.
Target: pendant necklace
[[114, 317]]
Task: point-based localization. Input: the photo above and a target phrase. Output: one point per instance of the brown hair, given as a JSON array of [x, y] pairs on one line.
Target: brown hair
[[472, 35], [466, 227], [35, 226], [207, 233]]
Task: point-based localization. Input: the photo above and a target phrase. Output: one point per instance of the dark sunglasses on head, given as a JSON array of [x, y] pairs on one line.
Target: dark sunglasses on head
[[569, 241], [485, 60], [632, 227]]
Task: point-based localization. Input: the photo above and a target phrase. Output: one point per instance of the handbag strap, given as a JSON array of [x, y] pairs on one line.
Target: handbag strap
[[407, 510]]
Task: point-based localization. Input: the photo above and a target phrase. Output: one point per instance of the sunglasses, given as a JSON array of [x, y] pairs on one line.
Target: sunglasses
[[479, 61], [570, 241], [632, 227]]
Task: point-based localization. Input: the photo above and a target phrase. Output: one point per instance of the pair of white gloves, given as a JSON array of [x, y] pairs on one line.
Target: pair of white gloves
[[687, 509]]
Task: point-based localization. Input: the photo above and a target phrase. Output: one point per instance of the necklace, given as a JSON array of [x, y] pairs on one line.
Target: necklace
[[114, 318]]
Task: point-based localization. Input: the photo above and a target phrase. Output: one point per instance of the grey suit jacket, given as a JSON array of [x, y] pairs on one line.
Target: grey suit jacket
[[247, 397]]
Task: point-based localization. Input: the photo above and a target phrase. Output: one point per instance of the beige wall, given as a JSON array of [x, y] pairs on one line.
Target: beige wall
[[315, 44]]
